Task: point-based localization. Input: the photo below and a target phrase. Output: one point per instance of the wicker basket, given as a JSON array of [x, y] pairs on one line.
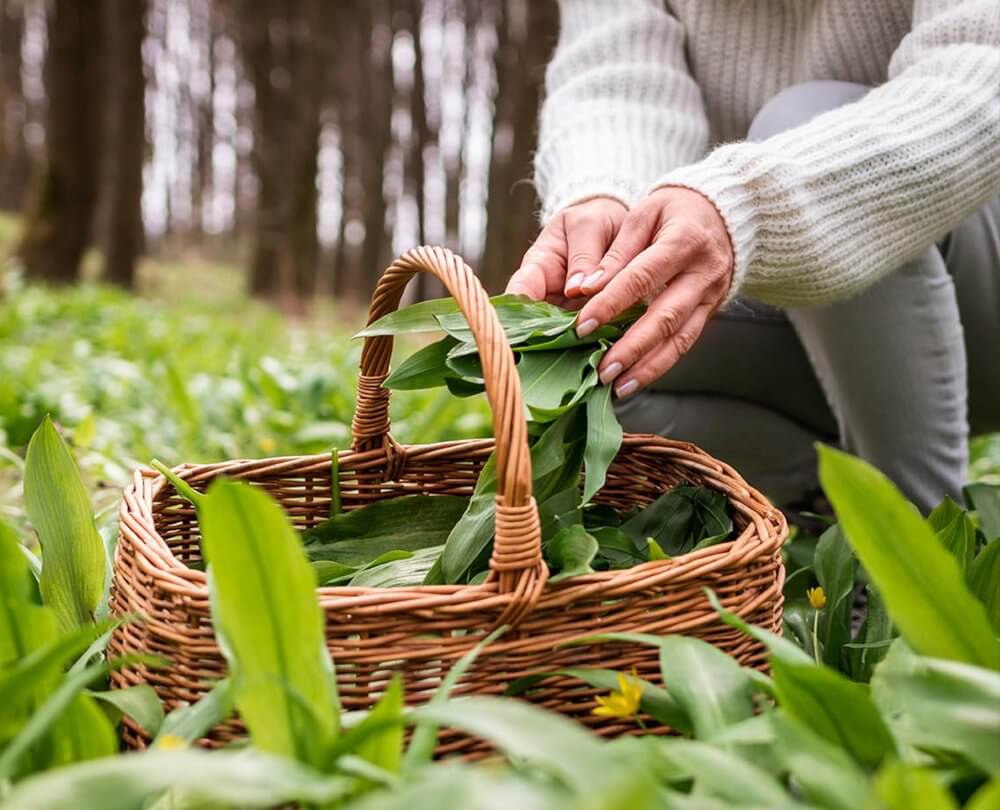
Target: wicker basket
[[421, 631]]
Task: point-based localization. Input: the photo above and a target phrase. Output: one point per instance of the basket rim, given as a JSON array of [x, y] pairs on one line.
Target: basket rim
[[765, 532]]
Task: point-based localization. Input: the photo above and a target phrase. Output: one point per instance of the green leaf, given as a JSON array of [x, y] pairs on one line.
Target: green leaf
[[873, 639], [707, 684], [560, 512], [681, 520], [548, 741], [904, 787], [72, 582], [241, 778], [71, 719], [406, 523], [942, 705], [835, 570], [987, 797], [986, 500], [568, 340], [424, 739], [743, 784], [825, 772], [400, 572], [385, 748], [269, 623], [192, 722], [547, 378], [604, 438], [425, 368], [777, 646], [959, 538], [570, 553], [984, 581], [618, 550], [656, 701], [419, 317], [944, 513], [921, 583], [836, 708], [140, 702]]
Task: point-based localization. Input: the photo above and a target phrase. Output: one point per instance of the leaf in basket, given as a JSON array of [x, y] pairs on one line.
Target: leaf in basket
[[567, 340], [550, 469], [329, 572], [403, 571], [425, 368], [560, 511], [616, 549], [547, 378], [73, 569], [681, 520], [407, 523], [269, 624], [467, 366], [571, 553], [419, 317], [604, 438], [463, 388]]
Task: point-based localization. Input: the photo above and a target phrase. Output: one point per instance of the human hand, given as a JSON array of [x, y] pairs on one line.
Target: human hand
[[567, 251], [673, 250]]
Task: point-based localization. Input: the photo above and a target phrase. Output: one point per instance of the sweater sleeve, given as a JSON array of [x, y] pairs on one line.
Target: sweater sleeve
[[822, 211], [620, 109]]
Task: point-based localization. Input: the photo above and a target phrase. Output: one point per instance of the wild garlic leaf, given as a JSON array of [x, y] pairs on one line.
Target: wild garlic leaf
[[73, 568], [425, 368], [404, 571], [548, 378], [604, 438], [571, 552], [407, 523]]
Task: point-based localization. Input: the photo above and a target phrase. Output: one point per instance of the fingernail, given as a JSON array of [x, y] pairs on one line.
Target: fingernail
[[575, 281], [593, 278], [626, 388], [611, 372], [586, 327]]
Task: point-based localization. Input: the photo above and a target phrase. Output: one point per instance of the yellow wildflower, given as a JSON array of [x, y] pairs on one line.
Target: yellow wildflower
[[624, 702], [170, 742], [817, 598]]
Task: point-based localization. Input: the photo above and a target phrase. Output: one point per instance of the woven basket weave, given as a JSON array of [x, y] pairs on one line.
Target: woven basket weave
[[421, 631]]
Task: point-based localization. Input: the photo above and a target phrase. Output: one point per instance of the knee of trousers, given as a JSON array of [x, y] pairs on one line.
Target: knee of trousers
[[800, 103]]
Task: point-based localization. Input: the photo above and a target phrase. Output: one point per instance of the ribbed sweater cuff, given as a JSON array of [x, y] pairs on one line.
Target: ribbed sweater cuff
[[725, 191]]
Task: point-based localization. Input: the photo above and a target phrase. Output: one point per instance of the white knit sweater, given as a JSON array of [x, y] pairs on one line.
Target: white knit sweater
[[638, 92]]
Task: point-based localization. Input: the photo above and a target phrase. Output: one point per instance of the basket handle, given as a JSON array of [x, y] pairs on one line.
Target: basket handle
[[516, 562]]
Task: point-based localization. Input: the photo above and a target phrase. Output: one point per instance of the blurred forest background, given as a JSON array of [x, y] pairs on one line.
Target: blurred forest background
[[307, 141]]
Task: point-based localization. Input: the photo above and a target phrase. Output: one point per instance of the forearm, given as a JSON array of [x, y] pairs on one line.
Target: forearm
[[822, 211], [620, 107]]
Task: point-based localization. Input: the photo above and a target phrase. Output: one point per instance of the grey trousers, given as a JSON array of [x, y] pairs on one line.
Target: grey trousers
[[897, 375]]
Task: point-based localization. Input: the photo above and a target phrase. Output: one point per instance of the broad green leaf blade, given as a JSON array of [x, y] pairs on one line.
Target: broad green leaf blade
[[604, 438], [385, 748], [986, 500], [836, 708], [73, 570], [873, 639], [270, 625], [707, 684], [424, 739], [192, 722], [942, 705], [743, 783], [547, 378], [403, 572], [904, 787], [244, 778], [777, 646], [406, 523], [571, 553], [921, 583], [75, 722], [959, 538], [549, 741], [140, 702], [987, 797], [425, 368], [825, 772], [835, 569], [984, 581], [419, 317]]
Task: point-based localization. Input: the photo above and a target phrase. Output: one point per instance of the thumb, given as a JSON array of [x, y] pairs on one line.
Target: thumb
[[529, 280]]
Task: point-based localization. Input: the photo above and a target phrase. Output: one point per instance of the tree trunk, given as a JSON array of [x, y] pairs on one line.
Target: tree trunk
[[15, 163], [376, 98], [511, 205], [279, 52], [419, 139], [58, 223], [126, 139]]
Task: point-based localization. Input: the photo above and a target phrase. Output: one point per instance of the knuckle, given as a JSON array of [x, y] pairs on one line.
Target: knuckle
[[668, 323], [684, 340], [640, 281]]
